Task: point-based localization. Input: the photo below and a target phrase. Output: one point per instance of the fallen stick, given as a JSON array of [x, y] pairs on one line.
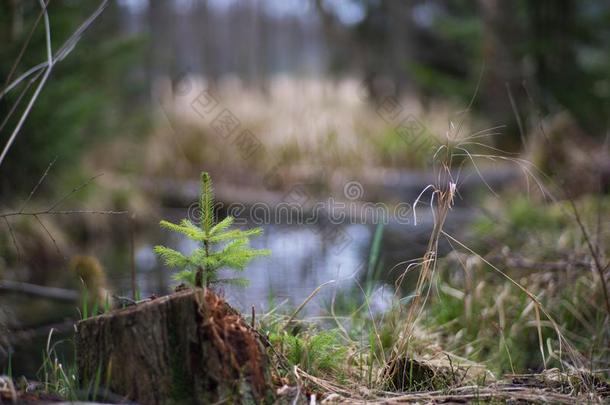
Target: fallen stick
[[53, 293]]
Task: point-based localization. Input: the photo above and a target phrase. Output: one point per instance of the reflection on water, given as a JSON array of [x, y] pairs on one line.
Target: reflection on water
[[303, 257]]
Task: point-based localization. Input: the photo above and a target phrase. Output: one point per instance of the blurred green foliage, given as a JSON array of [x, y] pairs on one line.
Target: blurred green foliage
[[522, 218], [558, 50], [552, 54]]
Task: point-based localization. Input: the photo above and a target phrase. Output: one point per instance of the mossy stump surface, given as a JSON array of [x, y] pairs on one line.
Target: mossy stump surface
[[188, 347]]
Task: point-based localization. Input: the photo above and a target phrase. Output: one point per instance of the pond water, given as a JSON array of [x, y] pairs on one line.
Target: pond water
[[306, 255], [302, 258]]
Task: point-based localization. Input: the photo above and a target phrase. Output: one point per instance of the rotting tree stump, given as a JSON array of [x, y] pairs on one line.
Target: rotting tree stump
[[188, 347]]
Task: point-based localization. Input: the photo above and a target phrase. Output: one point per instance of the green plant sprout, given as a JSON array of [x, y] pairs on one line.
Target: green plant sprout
[[201, 267]]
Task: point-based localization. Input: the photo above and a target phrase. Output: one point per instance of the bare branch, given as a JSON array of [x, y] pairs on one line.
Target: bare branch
[[51, 210], [67, 212]]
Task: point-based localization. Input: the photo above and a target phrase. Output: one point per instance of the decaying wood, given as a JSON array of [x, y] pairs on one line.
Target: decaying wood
[[189, 347]]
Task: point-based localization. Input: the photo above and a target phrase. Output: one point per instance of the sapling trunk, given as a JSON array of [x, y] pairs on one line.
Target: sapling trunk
[[206, 245], [199, 278]]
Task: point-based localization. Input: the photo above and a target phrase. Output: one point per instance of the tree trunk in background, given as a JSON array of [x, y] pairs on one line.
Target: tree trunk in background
[[500, 35], [558, 34], [400, 46], [189, 347], [160, 48], [260, 51], [15, 17], [340, 43]]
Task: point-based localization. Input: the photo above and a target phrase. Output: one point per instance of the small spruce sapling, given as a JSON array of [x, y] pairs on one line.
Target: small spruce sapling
[[201, 267]]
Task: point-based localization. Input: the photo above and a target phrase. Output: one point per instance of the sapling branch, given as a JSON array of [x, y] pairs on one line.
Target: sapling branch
[[205, 261]]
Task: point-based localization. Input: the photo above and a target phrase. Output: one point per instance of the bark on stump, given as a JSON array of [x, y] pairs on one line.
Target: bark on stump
[[189, 347]]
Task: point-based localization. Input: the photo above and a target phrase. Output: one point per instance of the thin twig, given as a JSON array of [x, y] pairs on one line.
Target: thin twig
[[538, 112], [309, 298], [51, 210], [49, 234], [53, 293], [517, 116], [40, 181], [66, 212], [596, 259], [74, 191], [12, 233]]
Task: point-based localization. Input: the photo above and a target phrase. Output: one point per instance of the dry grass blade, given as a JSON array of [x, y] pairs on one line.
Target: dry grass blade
[[48, 66], [375, 329], [326, 385], [304, 303], [47, 72], [6, 87], [17, 102]]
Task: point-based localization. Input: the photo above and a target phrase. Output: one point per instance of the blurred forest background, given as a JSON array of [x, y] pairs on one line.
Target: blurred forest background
[[322, 91], [530, 59]]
